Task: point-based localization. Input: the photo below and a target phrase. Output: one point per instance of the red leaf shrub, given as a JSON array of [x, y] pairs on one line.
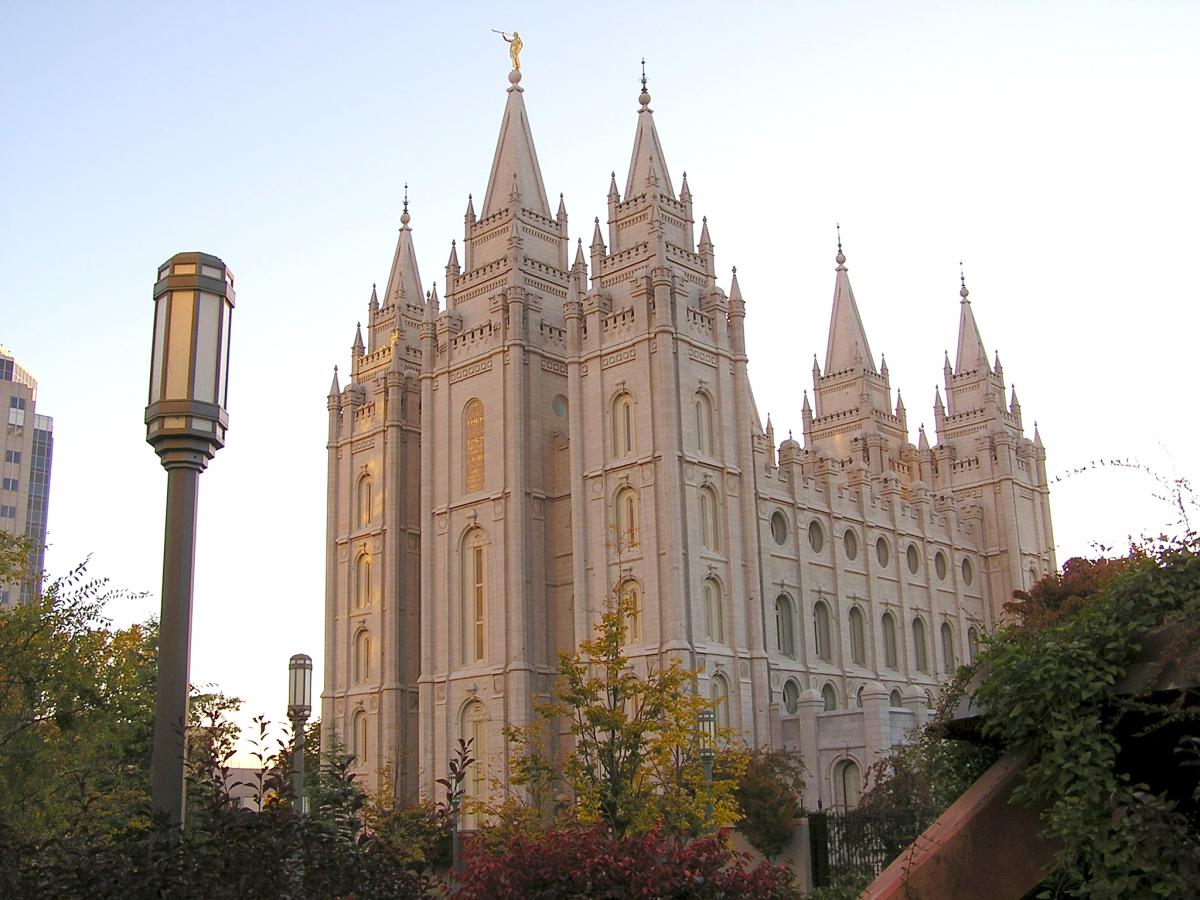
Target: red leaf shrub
[[579, 862]]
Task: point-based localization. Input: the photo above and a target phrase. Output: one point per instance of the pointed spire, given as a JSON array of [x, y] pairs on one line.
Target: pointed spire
[[922, 440], [335, 389], [705, 240], [357, 348], [561, 218], [937, 400], [899, 406], [1014, 405], [614, 195], [806, 409], [816, 368], [685, 193], [648, 163], [847, 337], [469, 217], [735, 291], [971, 356], [515, 166], [883, 369], [597, 237], [432, 307], [404, 280], [997, 367], [580, 259], [373, 303], [1037, 438], [452, 262]]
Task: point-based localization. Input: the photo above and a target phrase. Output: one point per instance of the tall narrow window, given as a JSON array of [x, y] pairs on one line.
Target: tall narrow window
[[919, 653], [474, 729], [785, 625], [358, 737], [714, 616], [631, 601], [362, 581], [364, 501], [474, 459], [628, 515], [972, 645], [362, 657], [889, 641], [821, 630], [710, 531], [858, 637], [791, 696], [896, 699], [704, 423], [474, 585], [849, 783], [948, 661], [623, 438], [719, 693]]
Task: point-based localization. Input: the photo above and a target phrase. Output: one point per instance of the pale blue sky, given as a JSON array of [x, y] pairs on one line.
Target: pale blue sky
[[1052, 148]]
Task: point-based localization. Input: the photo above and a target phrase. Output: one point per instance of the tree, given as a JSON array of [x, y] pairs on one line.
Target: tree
[[1059, 594], [770, 795], [634, 756], [76, 707]]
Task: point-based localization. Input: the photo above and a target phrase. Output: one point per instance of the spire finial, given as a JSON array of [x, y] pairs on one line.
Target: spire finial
[[644, 98], [962, 279], [405, 218], [841, 257]]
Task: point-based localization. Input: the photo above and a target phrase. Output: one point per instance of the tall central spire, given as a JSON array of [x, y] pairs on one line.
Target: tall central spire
[[515, 169], [404, 280], [971, 355], [847, 337], [648, 164]]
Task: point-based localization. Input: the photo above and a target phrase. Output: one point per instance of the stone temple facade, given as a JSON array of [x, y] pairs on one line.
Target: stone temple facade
[[572, 424]]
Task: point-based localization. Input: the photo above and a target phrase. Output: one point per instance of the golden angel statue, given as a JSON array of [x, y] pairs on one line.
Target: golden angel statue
[[514, 47]]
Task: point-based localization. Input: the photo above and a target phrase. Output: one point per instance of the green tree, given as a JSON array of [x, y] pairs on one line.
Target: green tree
[[770, 795], [633, 761]]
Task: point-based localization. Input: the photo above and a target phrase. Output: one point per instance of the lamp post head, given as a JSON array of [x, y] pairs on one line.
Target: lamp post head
[[707, 727], [189, 359], [300, 687]]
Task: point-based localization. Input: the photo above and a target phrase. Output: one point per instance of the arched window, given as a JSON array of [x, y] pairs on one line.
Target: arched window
[[858, 637], [829, 696], [785, 625], [848, 783], [358, 737], [623, 437], [948, 661], [704, 423], [791, 696], [714, 614], [474, 595], [710, 532], [821, 630], [1032, 573], [474, 459], [858, 696], [919, 653], [474, 730], [896, 699], [364, 501], [719, 694], [362, 657], [631, 602], [628, 516], [889, 641], [972, 644], [362, 581]]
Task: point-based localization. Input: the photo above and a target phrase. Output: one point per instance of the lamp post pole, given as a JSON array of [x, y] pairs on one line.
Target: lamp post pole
[[185, 423], [299, 709], [708, 753]]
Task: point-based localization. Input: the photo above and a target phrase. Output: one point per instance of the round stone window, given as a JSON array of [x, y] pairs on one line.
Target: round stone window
[[968, 572], [913, 558], [939, 565], [882, 553], [851, 543], [816, 536], [779, 527]]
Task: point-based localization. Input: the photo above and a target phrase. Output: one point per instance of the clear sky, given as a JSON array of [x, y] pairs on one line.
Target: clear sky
[[1053, 148]]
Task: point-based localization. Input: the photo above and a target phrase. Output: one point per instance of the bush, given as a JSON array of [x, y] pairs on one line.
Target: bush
[[590, 862], [770, 795]]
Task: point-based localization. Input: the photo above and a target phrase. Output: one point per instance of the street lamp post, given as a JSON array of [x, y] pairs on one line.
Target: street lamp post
[[185, 423], [299, 709], [708, 752]]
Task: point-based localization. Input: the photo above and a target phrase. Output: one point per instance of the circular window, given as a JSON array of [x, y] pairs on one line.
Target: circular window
[[816, 536], [939, 565], [968, 573], [791, 696], [851, 543], [914, 558], [779, 527], [882, 553], [560, 406]]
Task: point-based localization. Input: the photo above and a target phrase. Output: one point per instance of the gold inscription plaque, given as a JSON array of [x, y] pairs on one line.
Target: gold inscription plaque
[[473, 416]]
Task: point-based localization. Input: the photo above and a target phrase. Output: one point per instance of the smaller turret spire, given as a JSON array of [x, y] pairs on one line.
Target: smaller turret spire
[[735, 291], [335, 389], [469, 218], [922, 440], [562, 210], [685, 192], [357, 348], [614, 195], [937, 400], [373, 303], [597, 238], [580, 261]]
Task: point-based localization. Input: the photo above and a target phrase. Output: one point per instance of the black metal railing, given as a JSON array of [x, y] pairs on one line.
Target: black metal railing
[[854, 844]]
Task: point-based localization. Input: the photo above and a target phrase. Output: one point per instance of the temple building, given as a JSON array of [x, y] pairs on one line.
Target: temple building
[[566, 424]]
